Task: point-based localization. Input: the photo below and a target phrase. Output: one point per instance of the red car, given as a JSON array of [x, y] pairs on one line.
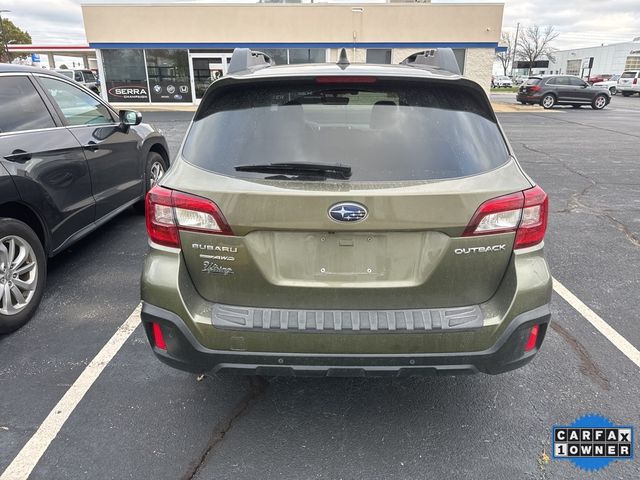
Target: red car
[[603, 77]]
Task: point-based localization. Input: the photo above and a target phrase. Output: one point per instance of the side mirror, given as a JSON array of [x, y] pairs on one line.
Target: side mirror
[[129, 118]]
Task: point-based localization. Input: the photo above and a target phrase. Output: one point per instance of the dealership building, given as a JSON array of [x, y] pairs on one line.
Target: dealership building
[[605, 59], [164, 52]]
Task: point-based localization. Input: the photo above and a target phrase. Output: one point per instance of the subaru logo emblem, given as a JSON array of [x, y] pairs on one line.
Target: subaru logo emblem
[[348, 212]]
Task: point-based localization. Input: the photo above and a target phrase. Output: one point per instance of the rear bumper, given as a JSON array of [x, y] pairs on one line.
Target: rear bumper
[[186, 353], [523, 97]]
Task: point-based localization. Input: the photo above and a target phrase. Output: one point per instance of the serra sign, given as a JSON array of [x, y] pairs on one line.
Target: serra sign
[[119, 92]]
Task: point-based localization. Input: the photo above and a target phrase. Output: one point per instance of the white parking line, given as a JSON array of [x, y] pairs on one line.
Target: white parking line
[[594, 319], [22, 466]]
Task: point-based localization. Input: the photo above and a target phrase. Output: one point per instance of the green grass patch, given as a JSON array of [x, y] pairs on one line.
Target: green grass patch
[[505, 90]]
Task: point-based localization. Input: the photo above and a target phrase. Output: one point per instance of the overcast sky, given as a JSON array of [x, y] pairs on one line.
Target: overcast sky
[[581, 22]]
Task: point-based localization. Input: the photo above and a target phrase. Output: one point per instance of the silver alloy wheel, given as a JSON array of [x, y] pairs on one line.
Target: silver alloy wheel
[[600, 102], [157, 172], [18, 274], [548, 101]]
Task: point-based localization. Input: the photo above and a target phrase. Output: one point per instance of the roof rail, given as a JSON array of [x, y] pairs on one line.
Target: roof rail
[[436, 58], [247, 59]]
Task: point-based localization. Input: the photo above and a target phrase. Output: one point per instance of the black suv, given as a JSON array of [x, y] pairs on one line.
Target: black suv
[[68, 163], [549, 91]]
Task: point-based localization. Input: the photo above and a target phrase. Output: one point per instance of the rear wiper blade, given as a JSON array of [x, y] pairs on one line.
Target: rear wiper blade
[[312, 169]]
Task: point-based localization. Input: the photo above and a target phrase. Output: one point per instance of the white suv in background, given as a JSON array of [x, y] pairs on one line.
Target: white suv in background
[[502, 81], [611, 84], [629, 82], [84, 77]]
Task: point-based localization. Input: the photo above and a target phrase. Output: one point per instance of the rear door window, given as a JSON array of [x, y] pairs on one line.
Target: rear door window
[[384, 133], [77, 106], [21, 106]]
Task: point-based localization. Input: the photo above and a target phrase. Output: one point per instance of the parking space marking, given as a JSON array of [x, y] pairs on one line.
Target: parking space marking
[[594, 319], [24, 463]]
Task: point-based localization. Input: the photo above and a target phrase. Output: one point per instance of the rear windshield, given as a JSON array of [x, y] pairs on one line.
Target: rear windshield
[[383, 134], [532, 81], [628, 75]]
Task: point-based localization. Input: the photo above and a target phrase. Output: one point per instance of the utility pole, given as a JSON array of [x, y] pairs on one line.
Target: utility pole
[[515, 48], [3, 43]]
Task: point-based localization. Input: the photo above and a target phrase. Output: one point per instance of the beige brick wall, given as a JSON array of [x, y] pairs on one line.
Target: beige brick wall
[[478, 64]]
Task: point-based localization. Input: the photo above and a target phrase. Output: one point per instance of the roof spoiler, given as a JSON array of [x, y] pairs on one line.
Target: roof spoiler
[[435, 58], [246, 59]]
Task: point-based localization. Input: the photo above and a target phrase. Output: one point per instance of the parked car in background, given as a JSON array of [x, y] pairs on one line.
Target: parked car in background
[[629, 82], [599, 78], [68, 164], [610, 84], [502, 81], [552, 90], [371, 220], [84, 77]]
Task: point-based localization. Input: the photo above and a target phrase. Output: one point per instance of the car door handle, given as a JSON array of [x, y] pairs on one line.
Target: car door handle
[[18, 156], [92, 147]]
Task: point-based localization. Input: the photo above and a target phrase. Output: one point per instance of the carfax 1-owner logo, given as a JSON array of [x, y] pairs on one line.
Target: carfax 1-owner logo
[[592, 442]]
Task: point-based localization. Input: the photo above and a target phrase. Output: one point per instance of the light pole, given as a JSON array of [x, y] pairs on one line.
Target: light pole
[[515, 48], [3, 43]]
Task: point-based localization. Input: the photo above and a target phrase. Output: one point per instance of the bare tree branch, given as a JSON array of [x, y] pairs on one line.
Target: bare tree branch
[[535, 43], [505, 57]]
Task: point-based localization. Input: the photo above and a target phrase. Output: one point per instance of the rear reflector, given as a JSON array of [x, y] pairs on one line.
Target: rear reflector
[[158, 338], [168, 212], [346, 79], [523, 212], [533, 338]]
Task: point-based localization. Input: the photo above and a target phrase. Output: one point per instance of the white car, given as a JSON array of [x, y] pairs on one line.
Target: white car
[[629, 82], [611, 84], [502, 81]]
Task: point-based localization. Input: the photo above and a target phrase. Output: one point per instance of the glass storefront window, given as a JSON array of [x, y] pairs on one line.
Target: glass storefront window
[[125, 75], [379, 55], [307, 55], [169, 75], [278, 55]]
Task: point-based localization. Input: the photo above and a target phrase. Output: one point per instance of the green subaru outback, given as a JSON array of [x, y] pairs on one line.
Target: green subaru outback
[[346, 219]]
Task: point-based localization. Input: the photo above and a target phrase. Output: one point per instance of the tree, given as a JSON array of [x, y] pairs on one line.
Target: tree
[[11, 34], [505, 57], [535, 43]]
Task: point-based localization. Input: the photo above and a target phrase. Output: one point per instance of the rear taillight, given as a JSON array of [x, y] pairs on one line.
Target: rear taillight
[[523, 212], [534, 88], [168, 212], [158, 337], [635, 81], [532, 341]]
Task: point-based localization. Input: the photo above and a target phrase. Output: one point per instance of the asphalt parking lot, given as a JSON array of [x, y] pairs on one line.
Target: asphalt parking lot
[[141, 419]]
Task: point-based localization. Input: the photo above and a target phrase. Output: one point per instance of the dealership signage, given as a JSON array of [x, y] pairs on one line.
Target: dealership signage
[[170, 91], [127, 92]]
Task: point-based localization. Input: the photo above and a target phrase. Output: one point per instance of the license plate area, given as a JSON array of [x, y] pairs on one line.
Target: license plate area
[[351, 254]]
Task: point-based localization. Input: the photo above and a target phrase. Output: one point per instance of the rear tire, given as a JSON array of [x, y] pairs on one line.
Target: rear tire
[[154, 170], [613, 90], [23, 273], [548, 101], [626, 94], [599, 102]]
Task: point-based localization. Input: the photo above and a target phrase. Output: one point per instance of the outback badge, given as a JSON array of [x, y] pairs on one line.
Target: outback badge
[[348, 212]]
